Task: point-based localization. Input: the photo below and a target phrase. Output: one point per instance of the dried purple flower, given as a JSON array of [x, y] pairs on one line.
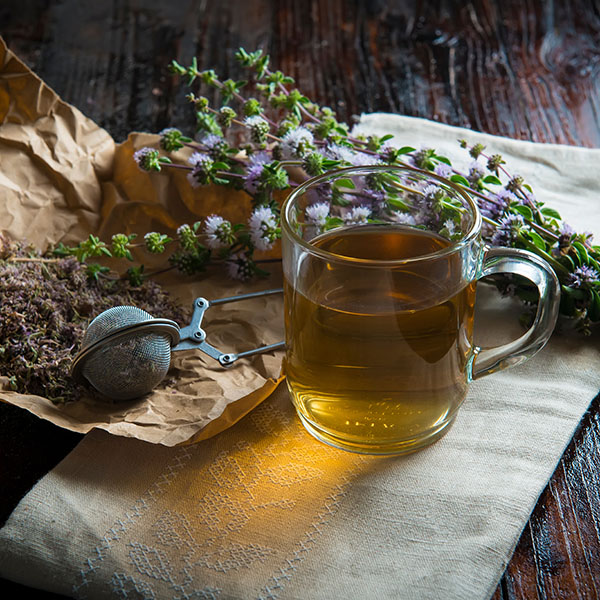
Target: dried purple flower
[[45, 310]]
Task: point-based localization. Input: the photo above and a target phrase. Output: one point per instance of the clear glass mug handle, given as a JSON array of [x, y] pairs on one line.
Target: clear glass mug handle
[[539, 272]]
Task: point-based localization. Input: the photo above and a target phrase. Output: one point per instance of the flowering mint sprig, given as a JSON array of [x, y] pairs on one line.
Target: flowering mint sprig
[[265, 127]]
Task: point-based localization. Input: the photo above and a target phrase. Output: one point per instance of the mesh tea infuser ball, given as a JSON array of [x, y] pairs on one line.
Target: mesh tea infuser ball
[[126, 352]]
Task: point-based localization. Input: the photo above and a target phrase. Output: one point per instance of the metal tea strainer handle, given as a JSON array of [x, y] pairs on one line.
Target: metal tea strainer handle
[[194, 337], [126, 352]]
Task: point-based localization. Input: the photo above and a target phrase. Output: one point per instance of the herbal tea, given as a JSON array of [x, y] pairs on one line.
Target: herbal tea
[[377, 358]]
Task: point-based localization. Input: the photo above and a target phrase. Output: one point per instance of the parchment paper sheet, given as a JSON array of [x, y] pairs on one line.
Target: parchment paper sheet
[[63, 177]]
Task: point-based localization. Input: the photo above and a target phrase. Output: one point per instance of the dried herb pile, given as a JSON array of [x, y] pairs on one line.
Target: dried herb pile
[[45, 307]]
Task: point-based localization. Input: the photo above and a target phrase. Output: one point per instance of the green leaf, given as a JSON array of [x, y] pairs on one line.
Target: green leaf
[[329, 163], [537, 240], [387, 137], [567, 302], [594, 309], [581, 250], [460, 179], [62, 250], [444, 160], [397, 203], [332, 223], [345, 183], [592, 262], [176, 68], [568, 262], [492, 179], [406, 150], [550, 212], [574, 293], [524, 211]]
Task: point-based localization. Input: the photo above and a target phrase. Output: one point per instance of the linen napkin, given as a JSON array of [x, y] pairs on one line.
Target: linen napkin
[[263, 510]]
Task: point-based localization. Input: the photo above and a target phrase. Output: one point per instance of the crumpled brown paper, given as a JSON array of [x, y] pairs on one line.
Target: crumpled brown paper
[[63, 177]]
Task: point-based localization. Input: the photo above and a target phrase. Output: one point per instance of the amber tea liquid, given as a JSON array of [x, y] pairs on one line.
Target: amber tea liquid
[[376, 357]]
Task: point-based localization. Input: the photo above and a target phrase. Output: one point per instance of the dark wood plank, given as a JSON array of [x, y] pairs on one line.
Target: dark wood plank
[[520, 68], [560, 544]]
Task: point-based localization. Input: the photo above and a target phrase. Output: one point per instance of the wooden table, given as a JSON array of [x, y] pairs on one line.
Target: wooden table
[[525, 69]]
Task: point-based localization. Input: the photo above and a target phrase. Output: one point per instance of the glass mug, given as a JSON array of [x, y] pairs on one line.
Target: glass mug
[[380, 268]]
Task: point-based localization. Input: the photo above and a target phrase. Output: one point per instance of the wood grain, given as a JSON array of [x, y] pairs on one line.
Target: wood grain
[[519, 68]]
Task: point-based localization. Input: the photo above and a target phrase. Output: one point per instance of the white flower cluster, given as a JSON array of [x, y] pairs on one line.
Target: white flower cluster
[[295, 143], [357, 215], [317, 213], [263, 228], [218, 232]]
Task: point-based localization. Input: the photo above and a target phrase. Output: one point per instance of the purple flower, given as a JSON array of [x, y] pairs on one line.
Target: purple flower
[[377, 198], [147, 159], [170, 139], [476, 172], [449, 228], [202, 167], [388, 153], [566, 229], [428, 203], [507, 230], [239, 267], [254, 171], [360, 159], [583, 275], [497, 204], [443, 170], [215, 145]]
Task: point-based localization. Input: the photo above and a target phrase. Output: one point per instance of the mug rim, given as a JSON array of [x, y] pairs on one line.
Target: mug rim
[[471, 234]]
